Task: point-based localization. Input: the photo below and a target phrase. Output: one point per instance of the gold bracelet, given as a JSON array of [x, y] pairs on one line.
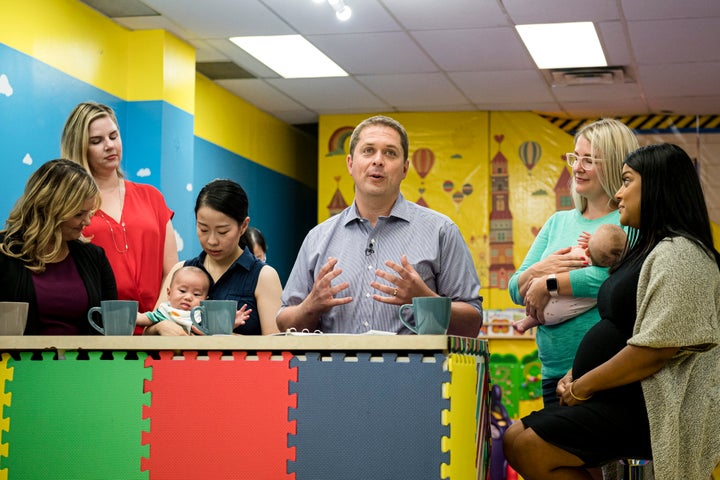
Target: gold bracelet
[[579, 399]]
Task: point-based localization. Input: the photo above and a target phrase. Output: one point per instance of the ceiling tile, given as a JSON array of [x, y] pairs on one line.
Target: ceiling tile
[[686, 79], [503, 87], [221, 18], [391, 52], [670, 41], [408, 90], [263, 95], [434, 14], [476, 49], [309, 18], [579, 93], [670, 9], [554, 11], [321, 94], [686, 105]]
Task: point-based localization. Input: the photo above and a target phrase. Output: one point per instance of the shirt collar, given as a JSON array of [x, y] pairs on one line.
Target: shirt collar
[[400, 210]]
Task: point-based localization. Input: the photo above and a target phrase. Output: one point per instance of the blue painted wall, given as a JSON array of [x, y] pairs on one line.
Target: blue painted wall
[[33, 111]]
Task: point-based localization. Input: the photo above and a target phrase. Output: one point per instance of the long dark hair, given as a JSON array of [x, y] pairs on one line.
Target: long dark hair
[[253, 237], [672, 201], [226, 197]]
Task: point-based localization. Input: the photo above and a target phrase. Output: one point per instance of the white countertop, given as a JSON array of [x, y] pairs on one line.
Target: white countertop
[[307, 342]]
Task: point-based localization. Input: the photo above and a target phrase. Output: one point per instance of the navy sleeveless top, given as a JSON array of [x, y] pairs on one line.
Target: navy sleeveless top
[[237, 283]]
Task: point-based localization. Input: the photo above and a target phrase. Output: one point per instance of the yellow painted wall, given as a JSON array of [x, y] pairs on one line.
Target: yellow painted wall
[[226, 120], [71, 37], [161, 67]]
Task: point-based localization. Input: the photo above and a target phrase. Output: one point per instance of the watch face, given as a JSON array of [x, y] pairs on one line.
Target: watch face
[[552, 284]]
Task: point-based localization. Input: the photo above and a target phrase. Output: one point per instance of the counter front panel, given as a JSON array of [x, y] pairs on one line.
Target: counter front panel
[[340, 406]]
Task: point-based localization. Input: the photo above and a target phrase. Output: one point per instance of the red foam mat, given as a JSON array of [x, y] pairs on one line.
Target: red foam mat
[[219, 417]]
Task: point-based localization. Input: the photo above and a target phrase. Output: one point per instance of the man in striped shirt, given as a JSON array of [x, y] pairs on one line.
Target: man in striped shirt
[[355, 269]]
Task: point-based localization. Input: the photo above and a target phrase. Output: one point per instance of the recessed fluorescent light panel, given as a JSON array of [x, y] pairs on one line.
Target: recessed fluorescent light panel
[[563, 45], [291, 56]]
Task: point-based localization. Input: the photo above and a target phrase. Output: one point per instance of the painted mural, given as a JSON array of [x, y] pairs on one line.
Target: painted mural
[[497, 175]]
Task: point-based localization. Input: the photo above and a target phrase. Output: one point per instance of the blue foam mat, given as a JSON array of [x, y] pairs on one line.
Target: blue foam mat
[[363, 419]]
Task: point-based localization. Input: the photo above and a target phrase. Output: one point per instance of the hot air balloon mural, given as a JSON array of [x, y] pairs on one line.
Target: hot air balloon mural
[[530, 153], [448, 185], [467, 189], [423, 160]]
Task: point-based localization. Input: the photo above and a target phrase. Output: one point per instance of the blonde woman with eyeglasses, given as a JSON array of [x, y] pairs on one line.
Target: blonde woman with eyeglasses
[[550, 269]]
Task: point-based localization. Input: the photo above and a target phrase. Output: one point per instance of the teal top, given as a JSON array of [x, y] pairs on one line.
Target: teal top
[[557, 343]]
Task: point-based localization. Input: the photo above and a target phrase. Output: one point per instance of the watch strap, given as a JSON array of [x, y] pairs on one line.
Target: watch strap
[[552, 285]]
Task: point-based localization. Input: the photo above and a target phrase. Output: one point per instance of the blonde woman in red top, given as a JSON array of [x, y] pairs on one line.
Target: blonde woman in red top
[[134, 225]]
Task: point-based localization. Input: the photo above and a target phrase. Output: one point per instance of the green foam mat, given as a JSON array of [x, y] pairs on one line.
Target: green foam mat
[[75, 418]]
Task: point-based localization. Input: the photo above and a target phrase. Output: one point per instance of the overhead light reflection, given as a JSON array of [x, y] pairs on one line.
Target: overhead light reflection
[[344, 14], [342, 11]]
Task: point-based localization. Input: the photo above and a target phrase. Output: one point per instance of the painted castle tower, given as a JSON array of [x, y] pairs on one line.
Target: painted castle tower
[[501, 233], [563, 193]]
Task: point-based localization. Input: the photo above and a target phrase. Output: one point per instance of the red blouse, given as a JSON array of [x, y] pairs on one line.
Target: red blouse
[[135, 247]]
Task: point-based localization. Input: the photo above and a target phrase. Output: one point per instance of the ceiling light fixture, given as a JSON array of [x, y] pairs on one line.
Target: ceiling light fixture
[[563, 45], [291, 56], [342, 11]]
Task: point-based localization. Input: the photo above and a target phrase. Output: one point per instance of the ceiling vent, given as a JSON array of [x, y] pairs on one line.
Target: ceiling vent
[[587, 76], [222, 70], [121, 8]]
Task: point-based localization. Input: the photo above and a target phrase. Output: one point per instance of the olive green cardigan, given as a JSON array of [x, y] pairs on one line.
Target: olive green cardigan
[[678, 305]]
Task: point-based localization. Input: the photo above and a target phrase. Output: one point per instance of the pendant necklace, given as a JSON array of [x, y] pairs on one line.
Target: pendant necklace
[[122, 223]]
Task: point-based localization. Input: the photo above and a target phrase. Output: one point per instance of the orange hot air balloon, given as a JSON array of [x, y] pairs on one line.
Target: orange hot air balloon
[[423, 160]]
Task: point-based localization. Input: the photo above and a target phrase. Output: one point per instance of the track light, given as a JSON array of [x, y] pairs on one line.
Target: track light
[[342, 11]]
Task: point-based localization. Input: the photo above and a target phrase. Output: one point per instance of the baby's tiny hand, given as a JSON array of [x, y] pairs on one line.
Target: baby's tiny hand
[[242, 315]]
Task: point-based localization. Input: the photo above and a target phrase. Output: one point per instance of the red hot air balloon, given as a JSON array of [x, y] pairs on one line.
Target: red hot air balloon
[[448, 185], [423, 160], [530, 153]]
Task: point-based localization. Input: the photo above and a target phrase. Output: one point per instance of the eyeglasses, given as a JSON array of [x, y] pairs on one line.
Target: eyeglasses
[[587, 162]]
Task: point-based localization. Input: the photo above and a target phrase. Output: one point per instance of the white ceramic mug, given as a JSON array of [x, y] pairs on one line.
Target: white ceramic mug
[[13, 318]]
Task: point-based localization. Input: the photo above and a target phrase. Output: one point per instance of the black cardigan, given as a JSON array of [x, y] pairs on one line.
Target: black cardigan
[[16, 283]]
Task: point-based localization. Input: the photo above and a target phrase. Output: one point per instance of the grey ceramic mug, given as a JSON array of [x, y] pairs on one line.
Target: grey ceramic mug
[[431, 315], [118, 317], [217, 317]]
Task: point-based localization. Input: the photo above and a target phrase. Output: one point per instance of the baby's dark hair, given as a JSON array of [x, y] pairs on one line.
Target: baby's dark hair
[[191, 268]]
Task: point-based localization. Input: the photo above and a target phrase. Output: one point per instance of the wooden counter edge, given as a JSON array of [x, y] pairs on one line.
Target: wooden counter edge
[[229, 343]]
